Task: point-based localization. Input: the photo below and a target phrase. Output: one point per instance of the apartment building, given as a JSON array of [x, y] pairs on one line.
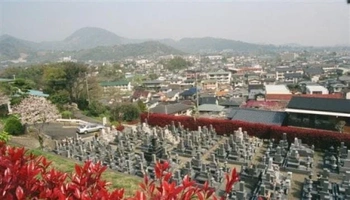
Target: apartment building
[[220, 76], [282, 70]]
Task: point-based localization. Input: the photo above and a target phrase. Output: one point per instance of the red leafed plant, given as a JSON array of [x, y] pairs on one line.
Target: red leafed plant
[[319, 138], [24, 176], [120, 127], [169, 190]]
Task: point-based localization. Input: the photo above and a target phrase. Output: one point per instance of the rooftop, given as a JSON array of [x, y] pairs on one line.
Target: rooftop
[[170, 108], [218, 73], [320, 104], [316, 87], [210, 108], [277, 89], [152, 82], [37, 93], [257, 116]]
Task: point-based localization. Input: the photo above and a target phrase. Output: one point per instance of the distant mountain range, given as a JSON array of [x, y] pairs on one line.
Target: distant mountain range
[[84, 44], [99, 44], [210, 44]]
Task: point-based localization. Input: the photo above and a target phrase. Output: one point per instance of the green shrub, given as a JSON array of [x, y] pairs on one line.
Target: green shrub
[[4, 136], [115, 123], [16, 100], [82, 104], [13, 126], [67, 114], [96, 109], [125, 112]]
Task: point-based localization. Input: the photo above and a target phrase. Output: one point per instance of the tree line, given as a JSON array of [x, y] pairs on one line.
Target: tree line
[[68, 83]]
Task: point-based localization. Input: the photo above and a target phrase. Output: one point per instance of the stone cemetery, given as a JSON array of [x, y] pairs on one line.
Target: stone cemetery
[[268, 169], [299, 157]]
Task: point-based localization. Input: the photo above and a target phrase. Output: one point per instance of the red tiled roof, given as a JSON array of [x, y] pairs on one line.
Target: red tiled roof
[[278, 97], [137, 94], [265, 105], [287, 97], [253, 103]]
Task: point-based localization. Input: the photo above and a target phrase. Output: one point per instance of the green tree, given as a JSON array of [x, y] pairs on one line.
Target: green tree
[[33, 73], [176, 63], [23, 84], [131, 112], [54, 79], [142, 106], [76, 75], [67, 114], [70, 82], [60, 98], [18, 87], [153, 76], [125, 112], [110, 73], [13, 126], [96, 108]]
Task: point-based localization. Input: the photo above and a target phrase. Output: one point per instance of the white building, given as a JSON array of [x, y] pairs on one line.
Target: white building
[[277, 89], [316, 89], [220, 76], [216, 57], [142, 62], [116, 85]]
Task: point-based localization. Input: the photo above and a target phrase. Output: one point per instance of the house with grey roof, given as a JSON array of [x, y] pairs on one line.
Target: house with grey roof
[[152, 85], [172, 109], [173, 95], [292, 77], [345, 79], [207, 99], [256, 92], [231, 103], [258, 116], [313, 71], [212, 109], [336, 87]]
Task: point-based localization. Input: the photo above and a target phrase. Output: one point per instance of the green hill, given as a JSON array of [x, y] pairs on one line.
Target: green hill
[[150, 48], [209, 45]]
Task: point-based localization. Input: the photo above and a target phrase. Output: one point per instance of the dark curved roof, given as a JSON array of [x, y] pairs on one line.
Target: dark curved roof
[[170, 108], [257, 116], [190, 92], [320, 104]]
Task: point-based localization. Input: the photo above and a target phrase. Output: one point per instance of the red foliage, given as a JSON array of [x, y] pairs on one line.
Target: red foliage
[[319, 138], [24, 176], [120, 127]]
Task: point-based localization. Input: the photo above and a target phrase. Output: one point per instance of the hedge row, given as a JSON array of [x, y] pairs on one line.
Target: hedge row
[[320, 138]]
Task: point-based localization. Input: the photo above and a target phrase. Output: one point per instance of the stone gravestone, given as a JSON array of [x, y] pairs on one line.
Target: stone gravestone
[[104, 121]]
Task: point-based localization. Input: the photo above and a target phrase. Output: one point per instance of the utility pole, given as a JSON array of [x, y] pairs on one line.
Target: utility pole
[[197, 98], [87, 88]]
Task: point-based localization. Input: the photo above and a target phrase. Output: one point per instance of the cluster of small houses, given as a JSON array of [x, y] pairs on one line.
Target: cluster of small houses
[[250, 94]]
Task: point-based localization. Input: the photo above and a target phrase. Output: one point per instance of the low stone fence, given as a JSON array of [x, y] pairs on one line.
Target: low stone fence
[[72, 121]]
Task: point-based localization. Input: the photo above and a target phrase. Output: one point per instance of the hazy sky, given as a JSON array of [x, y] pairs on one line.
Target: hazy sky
[[309, 22]]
